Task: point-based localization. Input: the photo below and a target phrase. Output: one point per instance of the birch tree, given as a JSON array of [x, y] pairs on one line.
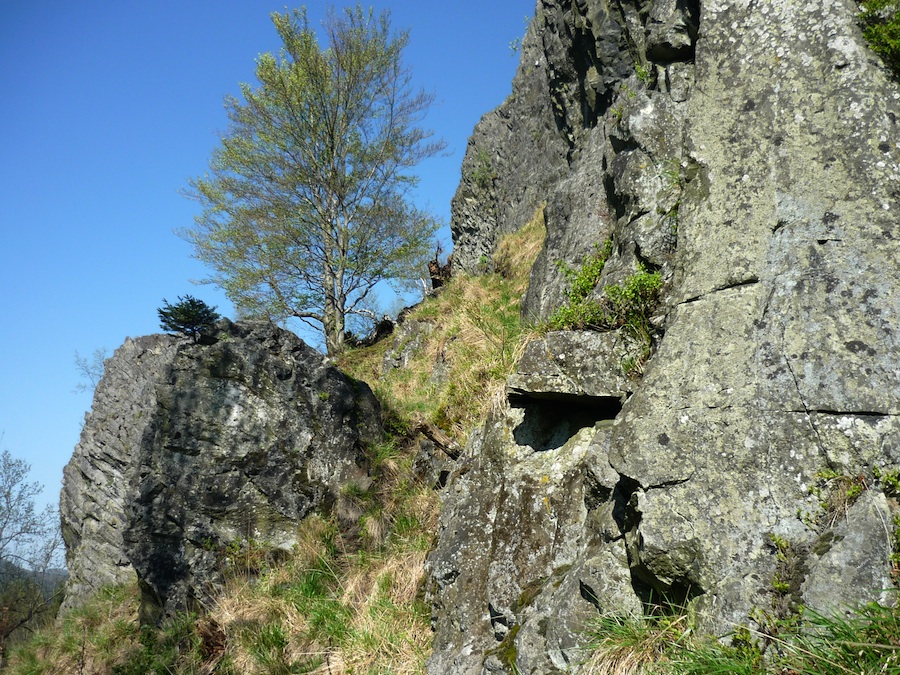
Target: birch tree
[[306, 205]]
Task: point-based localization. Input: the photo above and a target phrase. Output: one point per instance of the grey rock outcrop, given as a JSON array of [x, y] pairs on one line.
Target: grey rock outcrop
[[749, 152], [97, 479], [193, 452], [502, 184]]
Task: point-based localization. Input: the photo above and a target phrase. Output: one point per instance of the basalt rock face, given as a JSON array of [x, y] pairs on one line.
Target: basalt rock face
[[749, 152], [193, 452]]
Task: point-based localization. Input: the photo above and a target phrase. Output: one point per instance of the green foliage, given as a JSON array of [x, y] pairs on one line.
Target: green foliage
[[881, 27], [890, 481], [627, 306], [516, 44], [789, 574], [644, 73], [674, 179], [174, 648], [836, 494], [865, 641], [895, 546], [633, 644], [585, 278], [306, 205], [267, 645], [890, 484], [29, 548], [189, 316]]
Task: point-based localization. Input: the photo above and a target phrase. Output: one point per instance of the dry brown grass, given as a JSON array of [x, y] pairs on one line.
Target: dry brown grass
[[634, 645], [461, 369]]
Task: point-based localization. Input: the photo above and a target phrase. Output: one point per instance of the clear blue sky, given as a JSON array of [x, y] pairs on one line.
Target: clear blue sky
[[106, 109]]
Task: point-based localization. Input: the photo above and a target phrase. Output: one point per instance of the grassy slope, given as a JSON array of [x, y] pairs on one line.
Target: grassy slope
[[350, 597]]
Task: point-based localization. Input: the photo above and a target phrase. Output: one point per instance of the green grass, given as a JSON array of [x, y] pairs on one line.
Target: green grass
[[861, 642], [463, 364], [626, 306]]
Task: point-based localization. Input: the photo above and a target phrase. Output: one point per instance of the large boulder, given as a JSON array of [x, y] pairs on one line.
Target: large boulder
[[197, 453], [749, 152]]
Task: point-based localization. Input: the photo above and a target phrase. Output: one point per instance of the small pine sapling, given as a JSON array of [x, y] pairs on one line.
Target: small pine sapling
[[188, 316]]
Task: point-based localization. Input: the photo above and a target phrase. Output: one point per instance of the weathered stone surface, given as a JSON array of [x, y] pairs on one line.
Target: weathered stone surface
[[503, 182], [409, 336], [95, 481], [577, 219], [195, 450], [772, 348], [840, 562], [519, 518], [749, 151], [572, 364]]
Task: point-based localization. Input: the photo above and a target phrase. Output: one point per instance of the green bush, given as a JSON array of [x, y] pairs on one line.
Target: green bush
[[880, 21]]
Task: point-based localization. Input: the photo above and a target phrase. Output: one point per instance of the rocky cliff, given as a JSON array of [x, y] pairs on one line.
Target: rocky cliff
[[748, 152], [195, 454]]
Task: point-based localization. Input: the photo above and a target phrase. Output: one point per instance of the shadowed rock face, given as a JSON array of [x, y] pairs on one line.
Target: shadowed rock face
[[192, 451], [753, 159]]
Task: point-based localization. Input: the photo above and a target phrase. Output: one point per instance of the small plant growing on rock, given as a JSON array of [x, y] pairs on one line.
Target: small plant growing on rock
[[188, 316], [644, 73], [483, 174], [626, 306], [836, 494]]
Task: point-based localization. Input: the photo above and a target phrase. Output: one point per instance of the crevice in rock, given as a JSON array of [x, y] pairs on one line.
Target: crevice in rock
[[750, 281], [624, 517], [848, 413], [590, 595], [656, 595], [669, 483], [499, 623], [595, 494], [796, 381], [551, 419], [658, 598]]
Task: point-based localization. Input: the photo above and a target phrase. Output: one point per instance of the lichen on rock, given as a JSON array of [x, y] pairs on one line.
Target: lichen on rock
[[748, 152]]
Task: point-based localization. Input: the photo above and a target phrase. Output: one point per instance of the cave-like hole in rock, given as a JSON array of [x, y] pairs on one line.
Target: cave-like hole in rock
[[661, 599], [549, 422]]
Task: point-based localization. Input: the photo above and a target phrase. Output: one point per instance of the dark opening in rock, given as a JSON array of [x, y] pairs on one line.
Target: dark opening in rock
[[550, 422], [499, 622]]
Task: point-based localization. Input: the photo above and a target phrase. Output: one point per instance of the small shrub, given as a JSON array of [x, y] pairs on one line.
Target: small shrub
[[644, 73], [836, 494], [584, 279], [483, 173]]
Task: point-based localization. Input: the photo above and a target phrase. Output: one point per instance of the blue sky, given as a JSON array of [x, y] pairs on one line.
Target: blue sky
[[106, 109]]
